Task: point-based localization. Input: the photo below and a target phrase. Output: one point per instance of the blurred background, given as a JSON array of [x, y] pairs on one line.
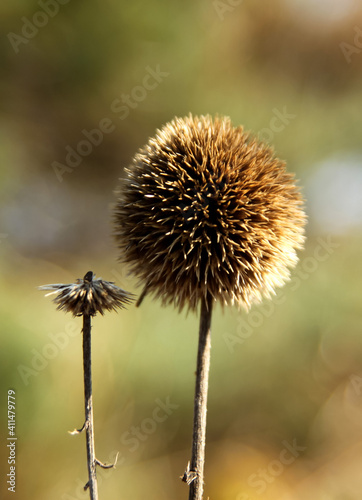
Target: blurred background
[[83, 86]]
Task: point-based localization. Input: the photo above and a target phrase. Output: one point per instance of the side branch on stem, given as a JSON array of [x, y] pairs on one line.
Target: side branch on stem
[[92, 461], [88, 404]]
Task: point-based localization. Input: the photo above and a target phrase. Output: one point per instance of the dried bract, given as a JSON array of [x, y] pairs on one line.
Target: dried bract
[[88, 296]]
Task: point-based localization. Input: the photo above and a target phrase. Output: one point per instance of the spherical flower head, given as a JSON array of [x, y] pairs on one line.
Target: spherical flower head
[[206, 209], [88, 296]]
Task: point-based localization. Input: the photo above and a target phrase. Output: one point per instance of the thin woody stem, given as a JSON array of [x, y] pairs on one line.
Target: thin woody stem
[[88, 402], [200, 405]]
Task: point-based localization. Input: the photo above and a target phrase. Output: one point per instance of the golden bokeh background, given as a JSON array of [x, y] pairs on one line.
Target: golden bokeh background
[[84, 84]]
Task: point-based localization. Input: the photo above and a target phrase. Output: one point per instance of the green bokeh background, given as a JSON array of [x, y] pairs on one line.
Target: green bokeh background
[[290, 370]]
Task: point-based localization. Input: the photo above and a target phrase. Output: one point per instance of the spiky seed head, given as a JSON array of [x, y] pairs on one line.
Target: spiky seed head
[[207, 209], [88, 296]]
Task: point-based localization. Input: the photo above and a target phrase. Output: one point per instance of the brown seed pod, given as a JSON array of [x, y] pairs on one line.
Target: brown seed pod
[[88, 296], [207, 209]]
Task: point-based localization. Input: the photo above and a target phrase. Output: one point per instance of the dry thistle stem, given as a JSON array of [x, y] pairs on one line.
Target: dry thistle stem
[[85, 298], [207, 213]]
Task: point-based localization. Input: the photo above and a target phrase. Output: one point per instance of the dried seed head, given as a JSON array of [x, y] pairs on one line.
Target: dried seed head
[[88, 296], [207, 209]]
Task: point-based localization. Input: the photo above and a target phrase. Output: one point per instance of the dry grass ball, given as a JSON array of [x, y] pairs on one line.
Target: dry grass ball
[[207, 209]]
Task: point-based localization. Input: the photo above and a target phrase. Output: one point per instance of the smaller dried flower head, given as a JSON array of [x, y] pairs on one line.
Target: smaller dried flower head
[[206, 209], [88, 296]]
